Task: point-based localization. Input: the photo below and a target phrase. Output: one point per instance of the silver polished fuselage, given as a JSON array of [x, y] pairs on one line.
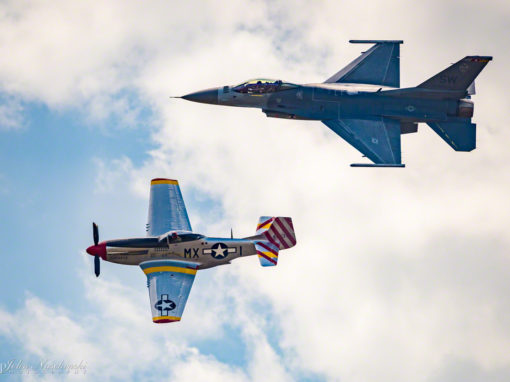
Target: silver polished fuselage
[[207, 252]]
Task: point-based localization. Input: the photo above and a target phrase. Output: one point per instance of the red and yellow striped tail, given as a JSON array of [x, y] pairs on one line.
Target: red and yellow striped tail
[[267, 253], [279, 231]]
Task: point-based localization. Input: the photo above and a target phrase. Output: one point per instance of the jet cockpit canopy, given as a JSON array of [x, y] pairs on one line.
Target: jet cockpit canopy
[[262, 86]]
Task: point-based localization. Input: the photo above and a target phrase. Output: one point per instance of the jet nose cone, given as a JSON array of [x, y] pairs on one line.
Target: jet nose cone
[[203, 96]]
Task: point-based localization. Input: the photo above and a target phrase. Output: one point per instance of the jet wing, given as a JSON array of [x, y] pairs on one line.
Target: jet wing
[[167, 211], [380, 65], [169, 283], [378, 139]]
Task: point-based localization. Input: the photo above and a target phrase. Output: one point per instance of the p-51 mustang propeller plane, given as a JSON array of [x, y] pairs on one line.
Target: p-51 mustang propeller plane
[[364, 104], [171, 254]]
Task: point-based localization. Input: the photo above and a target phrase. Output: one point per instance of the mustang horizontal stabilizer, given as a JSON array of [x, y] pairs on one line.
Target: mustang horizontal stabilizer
[[459, 76], [461, 136], [167, 211], [378, 139], [169, 283], [267, 253], [380, 65]]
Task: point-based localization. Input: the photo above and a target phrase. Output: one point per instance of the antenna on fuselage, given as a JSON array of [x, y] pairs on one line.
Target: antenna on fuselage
[[231, 233]]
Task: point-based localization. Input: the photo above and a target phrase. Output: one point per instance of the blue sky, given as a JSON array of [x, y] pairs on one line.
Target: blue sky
[[405, 271], [49, 188]]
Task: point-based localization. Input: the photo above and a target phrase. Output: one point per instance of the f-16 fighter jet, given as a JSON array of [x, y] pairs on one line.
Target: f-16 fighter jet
[[171, 254], [364, 105]]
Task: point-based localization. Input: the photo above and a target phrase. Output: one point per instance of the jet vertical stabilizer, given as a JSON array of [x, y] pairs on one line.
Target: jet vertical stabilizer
[[458, 76]]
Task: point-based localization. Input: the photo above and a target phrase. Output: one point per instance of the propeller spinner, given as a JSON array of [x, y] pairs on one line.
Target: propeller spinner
[[97, 250]]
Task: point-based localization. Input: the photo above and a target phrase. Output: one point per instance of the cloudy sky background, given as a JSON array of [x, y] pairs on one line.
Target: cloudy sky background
[[398, 275]]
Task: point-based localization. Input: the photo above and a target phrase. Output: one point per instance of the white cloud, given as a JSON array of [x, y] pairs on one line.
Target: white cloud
[[11, 114], [118, 339], [396, 272]]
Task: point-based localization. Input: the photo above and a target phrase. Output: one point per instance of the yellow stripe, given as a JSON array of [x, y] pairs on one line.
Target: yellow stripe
[[159, 318], [170, 269], [164, 181], [270, 254], [266, 226]]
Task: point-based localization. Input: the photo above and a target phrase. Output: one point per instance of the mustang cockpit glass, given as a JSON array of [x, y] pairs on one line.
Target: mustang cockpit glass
[[176, 237], [261, 86]]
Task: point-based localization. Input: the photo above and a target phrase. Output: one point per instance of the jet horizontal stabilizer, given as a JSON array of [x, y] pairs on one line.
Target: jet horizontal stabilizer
[[376, 165], [460, 135]]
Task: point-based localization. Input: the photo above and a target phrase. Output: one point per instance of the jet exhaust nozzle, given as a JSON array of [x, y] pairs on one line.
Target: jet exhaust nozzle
[[465, 108]]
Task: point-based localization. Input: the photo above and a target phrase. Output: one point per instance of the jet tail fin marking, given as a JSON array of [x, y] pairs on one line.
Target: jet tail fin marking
[[459, 76]]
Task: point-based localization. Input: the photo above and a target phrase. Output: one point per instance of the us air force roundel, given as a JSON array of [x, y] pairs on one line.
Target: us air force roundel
[[219, 251], [164, 305]]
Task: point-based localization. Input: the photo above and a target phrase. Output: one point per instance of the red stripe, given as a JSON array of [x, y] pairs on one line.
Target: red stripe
[[264, 223], [270, 238], [282, 227], [156, 179], [266, 247], [164, 321], [279, 237], [266, 257]]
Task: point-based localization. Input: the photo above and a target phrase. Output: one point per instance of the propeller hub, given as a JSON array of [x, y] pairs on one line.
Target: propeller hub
[[98, 250]]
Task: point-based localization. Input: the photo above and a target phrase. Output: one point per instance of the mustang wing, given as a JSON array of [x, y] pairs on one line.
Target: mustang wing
[[167, 211], [378, 139], [380, 65], [169, 283]]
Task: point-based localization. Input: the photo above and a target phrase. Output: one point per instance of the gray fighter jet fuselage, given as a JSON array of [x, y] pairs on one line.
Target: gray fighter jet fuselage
[[330, 101], [364, 105]]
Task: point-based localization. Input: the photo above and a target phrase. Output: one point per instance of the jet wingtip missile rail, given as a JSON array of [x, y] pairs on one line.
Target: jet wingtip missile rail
[[398, 165], [376, 41]]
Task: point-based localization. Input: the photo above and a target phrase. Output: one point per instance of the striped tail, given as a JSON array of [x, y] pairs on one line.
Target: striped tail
[[279, 231], [267, 252]]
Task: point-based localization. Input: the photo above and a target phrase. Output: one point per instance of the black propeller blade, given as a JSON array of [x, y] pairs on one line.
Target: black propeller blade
[[97, 269], [95, 233]]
